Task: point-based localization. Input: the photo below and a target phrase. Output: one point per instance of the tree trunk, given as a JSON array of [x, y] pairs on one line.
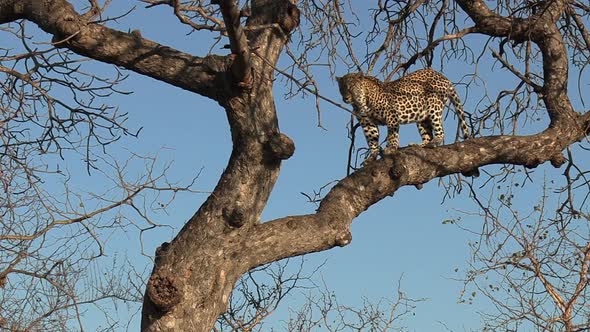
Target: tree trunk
[[195, 274]]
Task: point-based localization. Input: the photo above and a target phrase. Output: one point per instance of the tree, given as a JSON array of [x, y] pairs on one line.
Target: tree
[[52, 232], [532, 263], [195, 273]]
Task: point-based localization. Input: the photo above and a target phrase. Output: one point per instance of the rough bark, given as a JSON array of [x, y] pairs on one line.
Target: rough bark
[[205, 76], [208, 254], [195, 273]]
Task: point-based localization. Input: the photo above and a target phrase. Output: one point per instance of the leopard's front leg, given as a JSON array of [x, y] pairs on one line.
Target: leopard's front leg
[[371, 132], [392, 137]]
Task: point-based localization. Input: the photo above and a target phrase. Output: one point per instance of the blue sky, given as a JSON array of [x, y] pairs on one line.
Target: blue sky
[[401, 236]]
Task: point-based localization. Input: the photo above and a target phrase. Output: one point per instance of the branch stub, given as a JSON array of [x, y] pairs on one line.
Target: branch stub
[[280, 147], [343, 239]]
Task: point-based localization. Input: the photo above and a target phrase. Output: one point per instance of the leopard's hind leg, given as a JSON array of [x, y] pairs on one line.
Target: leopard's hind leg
[[425, 130], [435, 108]]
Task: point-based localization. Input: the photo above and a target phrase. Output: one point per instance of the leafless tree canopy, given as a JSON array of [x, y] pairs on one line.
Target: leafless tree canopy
[[538, 43]]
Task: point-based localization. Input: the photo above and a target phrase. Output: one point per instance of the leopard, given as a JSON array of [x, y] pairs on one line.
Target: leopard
[[419, 97]]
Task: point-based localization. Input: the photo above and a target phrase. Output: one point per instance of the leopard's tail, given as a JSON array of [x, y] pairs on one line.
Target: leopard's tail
[[456, 101]]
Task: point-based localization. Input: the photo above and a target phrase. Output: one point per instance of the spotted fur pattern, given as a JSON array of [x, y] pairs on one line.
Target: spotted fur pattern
[[419, 97]]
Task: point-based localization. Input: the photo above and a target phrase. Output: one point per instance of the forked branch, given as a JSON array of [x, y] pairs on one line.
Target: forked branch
[[241, 67], [537, 88], [129, 50], [392, 30]]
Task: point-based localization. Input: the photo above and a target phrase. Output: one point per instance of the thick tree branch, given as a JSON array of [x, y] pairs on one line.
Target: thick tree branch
[[489, 23], [330, 226], [204, 76], [517, 29]]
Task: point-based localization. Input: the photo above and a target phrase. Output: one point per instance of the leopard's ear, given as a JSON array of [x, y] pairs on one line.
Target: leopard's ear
[[338, 78]]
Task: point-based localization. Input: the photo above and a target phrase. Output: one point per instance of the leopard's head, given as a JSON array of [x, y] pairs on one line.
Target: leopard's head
[[344, 86]]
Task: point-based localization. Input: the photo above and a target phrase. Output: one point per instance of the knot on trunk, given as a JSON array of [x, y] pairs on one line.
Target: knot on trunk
[[163, 291], [235, 216], [281, 12], [288, 17], [280, 147], [161, 251]]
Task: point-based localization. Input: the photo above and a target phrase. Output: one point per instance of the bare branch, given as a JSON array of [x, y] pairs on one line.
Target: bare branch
[[581, 27], [524, 78], [129, 50], [241, 66], [392, 30], [315, 92], [428, 50]]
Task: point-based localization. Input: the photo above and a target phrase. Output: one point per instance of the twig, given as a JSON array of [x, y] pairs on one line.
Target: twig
[[241, 67], [314, 92], [537, 88], [393, 25], [428, 49]]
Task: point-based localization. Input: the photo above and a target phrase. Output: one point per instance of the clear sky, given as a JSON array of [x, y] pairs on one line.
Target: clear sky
[[400, 237]]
